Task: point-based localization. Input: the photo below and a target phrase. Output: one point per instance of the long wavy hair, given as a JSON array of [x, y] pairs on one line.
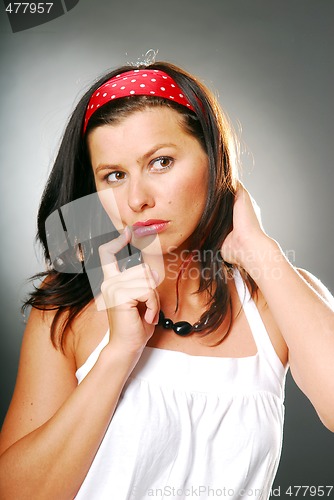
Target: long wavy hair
[[72, 178]]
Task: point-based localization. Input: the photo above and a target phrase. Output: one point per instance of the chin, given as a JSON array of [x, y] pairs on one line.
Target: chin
[[148, 245]]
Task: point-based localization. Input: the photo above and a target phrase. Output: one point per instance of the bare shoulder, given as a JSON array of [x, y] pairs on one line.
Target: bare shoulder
[[88, 329], [46, 374], [46, 377], [317, 285]]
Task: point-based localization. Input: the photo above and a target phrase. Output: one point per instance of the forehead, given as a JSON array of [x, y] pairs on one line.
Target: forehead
[[145, 126]]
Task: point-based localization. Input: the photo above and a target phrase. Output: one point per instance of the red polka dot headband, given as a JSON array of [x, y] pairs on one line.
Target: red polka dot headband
[[148, 82]]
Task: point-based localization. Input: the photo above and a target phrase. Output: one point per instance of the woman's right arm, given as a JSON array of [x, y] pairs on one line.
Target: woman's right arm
[[54, 427]]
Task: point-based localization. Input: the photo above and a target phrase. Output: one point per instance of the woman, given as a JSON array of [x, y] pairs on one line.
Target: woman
[[183, 396]]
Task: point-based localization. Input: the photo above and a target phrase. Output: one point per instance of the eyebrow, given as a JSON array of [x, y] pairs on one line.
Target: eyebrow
[[142, 158]]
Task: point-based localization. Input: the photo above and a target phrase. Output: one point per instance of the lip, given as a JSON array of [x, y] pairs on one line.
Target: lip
[[149, 227], [149, 222]]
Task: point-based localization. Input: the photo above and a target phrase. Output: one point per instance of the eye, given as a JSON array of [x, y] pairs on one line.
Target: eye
[[115, 177], [162, 163]]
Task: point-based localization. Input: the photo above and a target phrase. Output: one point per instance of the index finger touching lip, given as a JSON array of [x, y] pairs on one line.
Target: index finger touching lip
[[108, 253]]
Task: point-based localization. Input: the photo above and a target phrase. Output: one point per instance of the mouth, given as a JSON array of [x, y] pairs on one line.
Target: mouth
[[149, 227]]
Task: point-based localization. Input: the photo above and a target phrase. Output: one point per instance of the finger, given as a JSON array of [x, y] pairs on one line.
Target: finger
[[255, 206], [130, 298], [151, 275], [142, 271], [108, 252], [141, 282], [241, 190], [130, 277], [127, 287], [152, 308], [248, 199], [243, 194], [148, 305]]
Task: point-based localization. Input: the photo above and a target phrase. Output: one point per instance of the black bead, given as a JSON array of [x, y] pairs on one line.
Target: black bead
[[182, 328], [167, 324]]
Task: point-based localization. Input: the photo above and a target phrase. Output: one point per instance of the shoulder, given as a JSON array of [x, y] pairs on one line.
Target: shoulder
[[46, 374], [74, 331], [87, 330]]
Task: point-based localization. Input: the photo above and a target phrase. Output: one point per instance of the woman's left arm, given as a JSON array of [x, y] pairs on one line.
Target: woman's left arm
[[301, 305]]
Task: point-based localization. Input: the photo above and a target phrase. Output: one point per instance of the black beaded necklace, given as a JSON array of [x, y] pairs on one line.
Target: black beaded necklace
[[181, 328]]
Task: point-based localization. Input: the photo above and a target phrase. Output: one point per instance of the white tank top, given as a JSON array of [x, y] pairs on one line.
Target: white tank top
[[193, 426]]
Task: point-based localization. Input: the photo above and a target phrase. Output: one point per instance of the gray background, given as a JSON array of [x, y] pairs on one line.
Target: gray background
[[270, 62]]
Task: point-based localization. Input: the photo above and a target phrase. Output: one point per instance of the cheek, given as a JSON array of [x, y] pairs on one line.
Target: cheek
[[110, 205], [196, 191]]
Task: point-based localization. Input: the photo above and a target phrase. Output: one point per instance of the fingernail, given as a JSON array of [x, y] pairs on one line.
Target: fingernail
[[156, 319]]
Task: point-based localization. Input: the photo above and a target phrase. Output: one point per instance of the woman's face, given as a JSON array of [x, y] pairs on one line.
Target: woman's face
[[151, 175]]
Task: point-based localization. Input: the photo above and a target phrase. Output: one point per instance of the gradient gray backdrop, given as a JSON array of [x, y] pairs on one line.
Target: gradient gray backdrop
[[271, 64]]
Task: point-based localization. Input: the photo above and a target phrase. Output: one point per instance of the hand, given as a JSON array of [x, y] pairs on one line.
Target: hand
[[247, 235], [130, 296]]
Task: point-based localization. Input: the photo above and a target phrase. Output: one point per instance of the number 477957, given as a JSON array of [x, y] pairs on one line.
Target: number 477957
[[312, 491], [29, 8]]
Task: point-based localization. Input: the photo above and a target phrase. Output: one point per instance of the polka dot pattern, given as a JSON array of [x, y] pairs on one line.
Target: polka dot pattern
[[136, 82]]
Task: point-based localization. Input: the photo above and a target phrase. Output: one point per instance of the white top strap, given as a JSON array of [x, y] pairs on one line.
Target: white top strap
[[263, 343]]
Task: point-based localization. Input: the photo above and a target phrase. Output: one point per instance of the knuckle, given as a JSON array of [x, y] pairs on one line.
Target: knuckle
[[103, 248], [109, 287]]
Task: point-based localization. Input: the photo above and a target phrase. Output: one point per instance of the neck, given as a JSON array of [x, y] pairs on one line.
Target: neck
[[180, 274]]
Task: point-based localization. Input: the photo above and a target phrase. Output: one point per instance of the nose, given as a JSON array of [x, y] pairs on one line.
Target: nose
[[140, 195]]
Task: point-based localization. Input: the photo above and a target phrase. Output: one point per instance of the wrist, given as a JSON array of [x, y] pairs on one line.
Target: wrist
[[118, 361], [263, 260]]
